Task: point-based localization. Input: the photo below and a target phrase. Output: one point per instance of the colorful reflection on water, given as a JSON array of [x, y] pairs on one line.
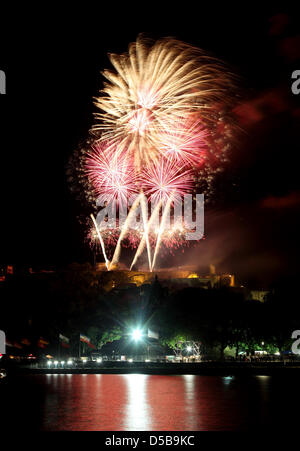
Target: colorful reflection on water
[[137, 402]]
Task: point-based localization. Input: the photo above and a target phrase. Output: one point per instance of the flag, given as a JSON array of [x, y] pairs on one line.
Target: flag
[[8, 343], [152, 334], [84, 339], [42, 343], [91, 345], [64, 341], [25, 341], [9, 269], [17, 345], [64, 344]]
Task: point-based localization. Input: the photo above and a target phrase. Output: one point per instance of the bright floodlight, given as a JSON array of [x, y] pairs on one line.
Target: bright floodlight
[[189, 348], [137, 334]]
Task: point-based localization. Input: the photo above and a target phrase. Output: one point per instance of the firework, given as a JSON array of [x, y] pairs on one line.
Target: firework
[[101, 241], [113, 178], [124, 231], [164, 179], [162, 228], [146, 237], [161, 131], [184, 142], [153, 87]]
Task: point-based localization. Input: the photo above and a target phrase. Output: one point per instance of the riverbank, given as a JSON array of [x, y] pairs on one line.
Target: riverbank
[[201, 368]]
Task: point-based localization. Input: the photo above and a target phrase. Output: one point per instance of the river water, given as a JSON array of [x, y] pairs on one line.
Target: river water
[[139, 402]]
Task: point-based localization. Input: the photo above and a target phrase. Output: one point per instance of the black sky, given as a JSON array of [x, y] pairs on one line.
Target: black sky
[[53, 63]]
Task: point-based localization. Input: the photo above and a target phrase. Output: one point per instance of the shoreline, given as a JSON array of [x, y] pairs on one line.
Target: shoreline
[[207, 369]]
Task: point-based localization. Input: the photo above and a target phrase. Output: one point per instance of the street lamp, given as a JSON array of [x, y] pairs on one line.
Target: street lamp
[[137, 334], [189, 349]]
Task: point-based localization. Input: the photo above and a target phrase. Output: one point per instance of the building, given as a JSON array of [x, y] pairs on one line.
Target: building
[[258, 295], [172, 278]]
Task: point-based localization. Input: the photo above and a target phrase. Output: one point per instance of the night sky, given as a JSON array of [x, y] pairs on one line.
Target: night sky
[[53, 66]]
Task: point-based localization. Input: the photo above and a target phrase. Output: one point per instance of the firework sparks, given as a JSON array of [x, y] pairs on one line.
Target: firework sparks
[[184, 143], [160, 180], [152, 86], [113, 177], [160, 132], [101, 242], [146, 227], [153, 217], [123, 231], [161, 228]]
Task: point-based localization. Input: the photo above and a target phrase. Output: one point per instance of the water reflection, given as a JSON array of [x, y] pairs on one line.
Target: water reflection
[[227, 380], [190, 406], [137, 411], [166, 398], [142, 402]]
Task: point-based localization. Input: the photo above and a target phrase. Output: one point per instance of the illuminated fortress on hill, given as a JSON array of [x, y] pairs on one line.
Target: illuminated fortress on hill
[[173, 278]]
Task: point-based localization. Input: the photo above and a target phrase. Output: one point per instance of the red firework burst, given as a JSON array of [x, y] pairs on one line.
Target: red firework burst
[[166, 180], [112, 176], [184, 142]]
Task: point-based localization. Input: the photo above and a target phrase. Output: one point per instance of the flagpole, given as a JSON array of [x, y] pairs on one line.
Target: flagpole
[[79, 347]]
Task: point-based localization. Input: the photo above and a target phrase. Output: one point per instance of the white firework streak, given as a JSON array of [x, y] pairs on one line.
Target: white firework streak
[[141, 247], [161, 229], [101, 242], [116, 255]]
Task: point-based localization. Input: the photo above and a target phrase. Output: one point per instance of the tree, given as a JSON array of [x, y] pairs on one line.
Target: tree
[[176, 343], [109, 335]]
